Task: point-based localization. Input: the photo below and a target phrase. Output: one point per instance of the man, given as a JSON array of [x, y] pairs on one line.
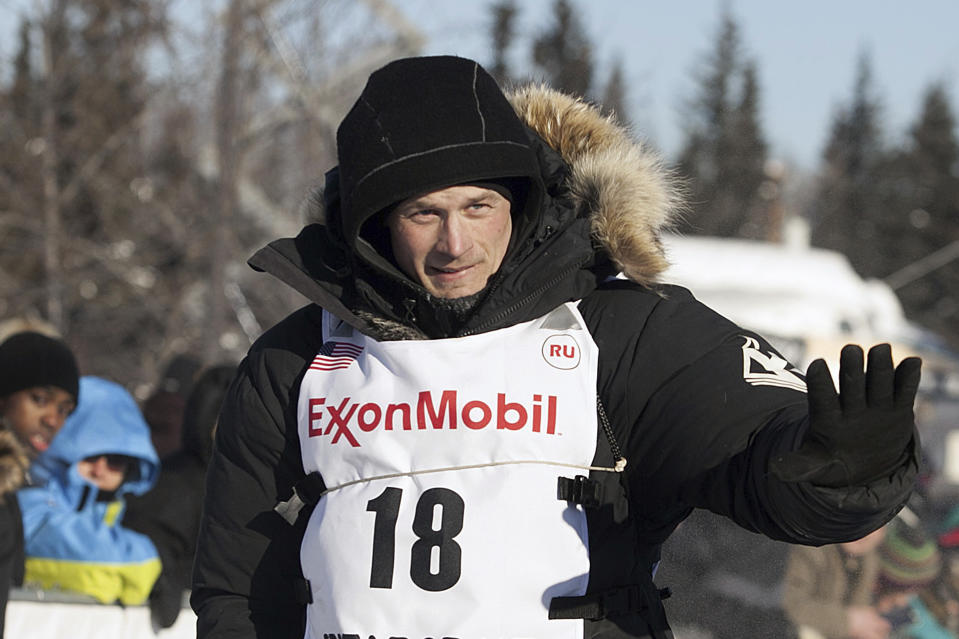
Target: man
[[477, 430]]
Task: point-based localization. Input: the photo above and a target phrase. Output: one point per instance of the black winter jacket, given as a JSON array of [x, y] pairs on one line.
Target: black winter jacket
[[672, 381]]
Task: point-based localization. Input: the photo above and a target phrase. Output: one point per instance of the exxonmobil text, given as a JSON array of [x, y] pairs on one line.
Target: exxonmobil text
[[342, 418]]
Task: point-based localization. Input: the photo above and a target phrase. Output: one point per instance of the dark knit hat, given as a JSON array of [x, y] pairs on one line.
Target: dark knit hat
[[31, 359], [908, 558], [422, 124]]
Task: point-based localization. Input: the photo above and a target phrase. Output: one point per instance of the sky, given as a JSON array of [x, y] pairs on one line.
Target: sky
[[806, 53]]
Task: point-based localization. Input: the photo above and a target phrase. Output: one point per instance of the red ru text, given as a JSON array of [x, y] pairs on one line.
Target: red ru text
[[562, 350]]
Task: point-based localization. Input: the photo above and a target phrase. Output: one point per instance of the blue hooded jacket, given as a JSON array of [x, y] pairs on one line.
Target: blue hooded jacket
[[74, 539]]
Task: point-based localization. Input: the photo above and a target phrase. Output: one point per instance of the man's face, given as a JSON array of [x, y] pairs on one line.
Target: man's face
[[451, 240], [36, 415]]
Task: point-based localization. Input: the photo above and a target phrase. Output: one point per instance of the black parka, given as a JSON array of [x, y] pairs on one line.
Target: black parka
[[693, 430]]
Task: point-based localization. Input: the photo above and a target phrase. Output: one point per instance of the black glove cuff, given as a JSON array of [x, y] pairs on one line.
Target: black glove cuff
[[840, 475]]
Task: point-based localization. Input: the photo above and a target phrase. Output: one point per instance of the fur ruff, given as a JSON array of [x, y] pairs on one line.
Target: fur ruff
[[631, 195], [386, 330], [13, 465]]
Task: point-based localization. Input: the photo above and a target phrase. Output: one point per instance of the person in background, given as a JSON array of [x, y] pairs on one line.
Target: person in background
[[163, 409], [39, 381], [942, 598], [910, 563], [73, 510], [828, 591], [170, 512]]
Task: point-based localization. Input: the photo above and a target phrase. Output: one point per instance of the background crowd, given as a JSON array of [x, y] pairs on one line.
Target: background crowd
[[98, 500]]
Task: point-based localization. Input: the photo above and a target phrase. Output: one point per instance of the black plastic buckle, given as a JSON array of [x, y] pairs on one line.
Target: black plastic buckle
[[302, 591], [600, 605], [580, 490]]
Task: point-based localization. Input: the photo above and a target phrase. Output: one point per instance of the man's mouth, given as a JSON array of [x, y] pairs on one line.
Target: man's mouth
[[447, 270]]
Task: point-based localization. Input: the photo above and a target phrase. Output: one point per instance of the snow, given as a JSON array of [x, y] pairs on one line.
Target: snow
[[808, 302]]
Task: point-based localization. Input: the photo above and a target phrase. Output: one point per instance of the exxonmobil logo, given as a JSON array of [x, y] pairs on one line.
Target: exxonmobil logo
[[342, 419]]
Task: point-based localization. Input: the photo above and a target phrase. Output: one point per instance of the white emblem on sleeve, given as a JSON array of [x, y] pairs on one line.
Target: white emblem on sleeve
[[766, 368]]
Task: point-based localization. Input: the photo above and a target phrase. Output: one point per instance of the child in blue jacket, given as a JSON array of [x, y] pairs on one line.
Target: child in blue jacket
[[72, 512]]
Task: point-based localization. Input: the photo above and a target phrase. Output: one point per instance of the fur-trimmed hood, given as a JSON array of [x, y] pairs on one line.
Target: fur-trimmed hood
[[630, 194], [608, 199]]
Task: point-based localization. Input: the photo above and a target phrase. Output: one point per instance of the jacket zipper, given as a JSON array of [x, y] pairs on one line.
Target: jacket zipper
[[618, 459], [512, 308]]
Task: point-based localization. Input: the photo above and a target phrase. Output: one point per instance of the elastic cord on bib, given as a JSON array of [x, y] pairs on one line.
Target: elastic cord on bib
[[618, 468], [310, 489]]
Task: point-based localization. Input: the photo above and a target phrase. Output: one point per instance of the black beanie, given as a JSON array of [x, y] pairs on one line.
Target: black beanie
[[423, 124], [30, 359]]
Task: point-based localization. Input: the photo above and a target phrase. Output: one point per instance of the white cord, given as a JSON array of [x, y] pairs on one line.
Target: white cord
[[618, 468], [290, 508]]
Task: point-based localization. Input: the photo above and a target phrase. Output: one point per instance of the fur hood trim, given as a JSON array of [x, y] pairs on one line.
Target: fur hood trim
[[631, 195], [13, 465]]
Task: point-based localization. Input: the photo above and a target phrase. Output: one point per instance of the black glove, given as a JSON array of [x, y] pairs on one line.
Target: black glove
[[862, 433]]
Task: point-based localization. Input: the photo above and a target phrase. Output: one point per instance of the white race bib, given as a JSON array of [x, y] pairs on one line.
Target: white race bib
[[441, 459]]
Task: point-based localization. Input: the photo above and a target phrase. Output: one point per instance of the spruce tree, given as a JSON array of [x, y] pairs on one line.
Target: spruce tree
[[746, 164], [922, 218], [614, 95], [724, 149], [503, 34], [564, 54], [846, 211]]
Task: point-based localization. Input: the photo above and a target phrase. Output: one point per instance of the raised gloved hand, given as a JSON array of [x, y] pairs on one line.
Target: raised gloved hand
[[863, 432]]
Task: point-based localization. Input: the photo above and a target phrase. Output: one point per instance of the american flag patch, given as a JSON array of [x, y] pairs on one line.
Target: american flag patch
[[335, 356]]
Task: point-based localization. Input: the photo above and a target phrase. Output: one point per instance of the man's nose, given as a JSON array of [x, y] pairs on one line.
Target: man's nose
[[455, 239]]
